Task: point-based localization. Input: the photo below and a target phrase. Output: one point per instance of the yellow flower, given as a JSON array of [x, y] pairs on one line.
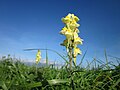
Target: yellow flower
[[76, 52], [68, 34], [75, 17], [75, 35], [78, 40], [38, 56], [74, 24], [63, 30], [67, 19], [77, 30]]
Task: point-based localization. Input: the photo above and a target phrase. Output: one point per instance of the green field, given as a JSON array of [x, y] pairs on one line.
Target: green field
[[15, 75]]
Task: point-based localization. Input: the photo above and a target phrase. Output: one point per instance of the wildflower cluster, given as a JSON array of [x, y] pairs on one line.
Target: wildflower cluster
[[71, 33]]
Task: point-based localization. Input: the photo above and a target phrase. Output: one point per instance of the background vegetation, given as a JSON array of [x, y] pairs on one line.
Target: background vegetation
[[15, 75]]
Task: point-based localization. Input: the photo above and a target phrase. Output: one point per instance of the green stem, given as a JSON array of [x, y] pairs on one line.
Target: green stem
[[70, 58], [46, 58], [36, 69]]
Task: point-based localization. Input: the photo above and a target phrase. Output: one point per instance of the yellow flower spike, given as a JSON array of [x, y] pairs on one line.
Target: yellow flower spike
[[38, 56], [78, 40], [72, 38]]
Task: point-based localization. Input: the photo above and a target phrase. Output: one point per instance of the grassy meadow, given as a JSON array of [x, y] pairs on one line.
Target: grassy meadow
[[15, 75]]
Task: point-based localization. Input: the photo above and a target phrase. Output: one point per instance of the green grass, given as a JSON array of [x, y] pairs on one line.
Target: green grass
[[14, 75]]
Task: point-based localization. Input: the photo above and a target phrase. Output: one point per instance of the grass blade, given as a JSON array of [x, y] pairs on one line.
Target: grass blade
[[57, 81]]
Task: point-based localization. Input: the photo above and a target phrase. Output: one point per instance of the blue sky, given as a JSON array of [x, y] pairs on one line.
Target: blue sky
[[37, 23]]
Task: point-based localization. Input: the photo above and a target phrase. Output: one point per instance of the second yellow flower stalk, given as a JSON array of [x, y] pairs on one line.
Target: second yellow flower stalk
[[38, 57]]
